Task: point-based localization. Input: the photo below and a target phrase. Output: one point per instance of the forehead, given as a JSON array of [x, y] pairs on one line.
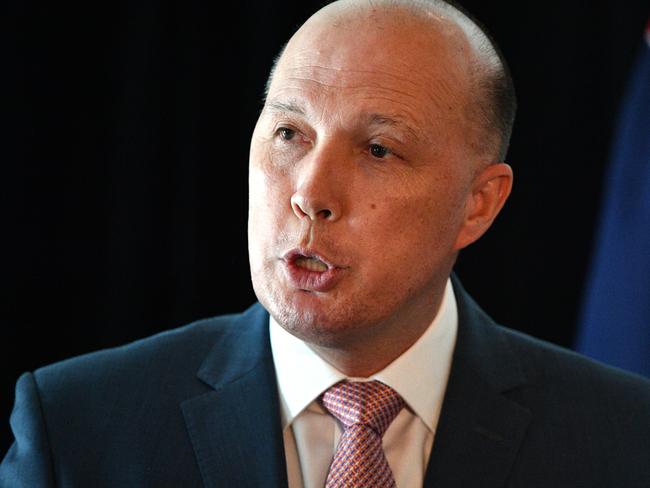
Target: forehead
[[406, 68]]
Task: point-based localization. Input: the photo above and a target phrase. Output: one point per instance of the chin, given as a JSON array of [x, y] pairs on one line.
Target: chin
[[318, 320]]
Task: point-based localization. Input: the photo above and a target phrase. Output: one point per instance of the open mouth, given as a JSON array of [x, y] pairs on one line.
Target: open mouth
[[310, 264], [311, 272]]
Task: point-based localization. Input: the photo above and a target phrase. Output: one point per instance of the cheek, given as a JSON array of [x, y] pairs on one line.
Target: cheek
[[414, 226], [257, 198], [268, 183], [268, 209]]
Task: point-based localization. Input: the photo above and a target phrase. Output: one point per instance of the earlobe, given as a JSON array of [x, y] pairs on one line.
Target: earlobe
[[490, 191]]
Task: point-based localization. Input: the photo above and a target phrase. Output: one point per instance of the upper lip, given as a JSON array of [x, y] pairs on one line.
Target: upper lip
[[293, 254]]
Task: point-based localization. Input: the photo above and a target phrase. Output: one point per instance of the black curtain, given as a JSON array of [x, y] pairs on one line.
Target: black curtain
[[124, 165]]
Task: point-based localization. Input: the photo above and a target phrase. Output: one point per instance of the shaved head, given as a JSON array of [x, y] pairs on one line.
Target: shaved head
[[490, 99]]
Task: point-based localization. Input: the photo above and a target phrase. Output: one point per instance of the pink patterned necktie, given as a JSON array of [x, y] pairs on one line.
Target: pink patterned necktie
[[366, 409]]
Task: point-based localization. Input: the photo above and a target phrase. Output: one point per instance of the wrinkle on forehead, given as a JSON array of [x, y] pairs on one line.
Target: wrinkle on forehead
[[316, 82], [344, 77]]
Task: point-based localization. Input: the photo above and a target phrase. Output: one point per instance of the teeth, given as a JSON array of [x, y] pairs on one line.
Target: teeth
[[311, 264]]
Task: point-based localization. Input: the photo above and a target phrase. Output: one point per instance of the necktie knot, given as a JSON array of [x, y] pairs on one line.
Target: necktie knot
[[371, 403]]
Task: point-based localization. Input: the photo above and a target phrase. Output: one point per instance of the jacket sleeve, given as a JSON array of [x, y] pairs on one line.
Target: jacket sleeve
[[28, 462]]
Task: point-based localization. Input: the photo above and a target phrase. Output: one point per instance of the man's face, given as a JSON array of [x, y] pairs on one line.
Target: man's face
[[359, 175]]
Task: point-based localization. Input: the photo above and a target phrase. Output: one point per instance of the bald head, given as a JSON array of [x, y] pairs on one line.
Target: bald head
[[477, 69], [374, 162]]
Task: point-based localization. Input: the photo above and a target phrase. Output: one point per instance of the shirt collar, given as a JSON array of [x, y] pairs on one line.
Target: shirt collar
[[419, 375]]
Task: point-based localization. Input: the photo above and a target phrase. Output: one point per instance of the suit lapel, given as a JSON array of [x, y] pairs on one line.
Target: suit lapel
[[235, 428], [480, 428]]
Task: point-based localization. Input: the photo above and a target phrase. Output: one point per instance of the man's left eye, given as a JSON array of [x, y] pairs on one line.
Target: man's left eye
[[379, 151]]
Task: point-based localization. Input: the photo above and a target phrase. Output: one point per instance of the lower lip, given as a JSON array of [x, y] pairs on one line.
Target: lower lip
[[304, 279]]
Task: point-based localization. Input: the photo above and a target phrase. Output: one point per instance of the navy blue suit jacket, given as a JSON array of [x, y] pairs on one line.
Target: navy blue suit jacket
[[198, 406]]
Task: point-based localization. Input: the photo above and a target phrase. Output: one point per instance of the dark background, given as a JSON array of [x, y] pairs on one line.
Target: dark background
[[123, 194]]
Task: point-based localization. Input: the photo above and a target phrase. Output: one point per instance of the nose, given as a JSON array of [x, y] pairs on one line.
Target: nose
[[306, 207], [318, 192]]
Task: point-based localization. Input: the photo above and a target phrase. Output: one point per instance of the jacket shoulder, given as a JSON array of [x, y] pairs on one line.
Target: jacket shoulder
[[182, 347], [545, 363], [589, 421], [81, 420], [555, 372]]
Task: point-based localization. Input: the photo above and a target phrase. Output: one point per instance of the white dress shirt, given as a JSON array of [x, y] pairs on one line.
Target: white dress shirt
[[419, 375]]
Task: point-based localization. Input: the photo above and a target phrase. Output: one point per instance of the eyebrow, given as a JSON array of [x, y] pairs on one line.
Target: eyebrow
[[290, 106], [372, 119], [384, 120]]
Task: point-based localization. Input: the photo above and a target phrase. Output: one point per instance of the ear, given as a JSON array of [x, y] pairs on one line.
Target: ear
[[490, 190]]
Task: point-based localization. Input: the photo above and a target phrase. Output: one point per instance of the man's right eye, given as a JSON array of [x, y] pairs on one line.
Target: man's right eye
[[286, 134]]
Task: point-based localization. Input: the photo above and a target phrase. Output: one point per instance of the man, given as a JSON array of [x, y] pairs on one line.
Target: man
[[377, 157]]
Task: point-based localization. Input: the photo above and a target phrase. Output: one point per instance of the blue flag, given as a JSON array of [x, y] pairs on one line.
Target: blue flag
[[615, 322]]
